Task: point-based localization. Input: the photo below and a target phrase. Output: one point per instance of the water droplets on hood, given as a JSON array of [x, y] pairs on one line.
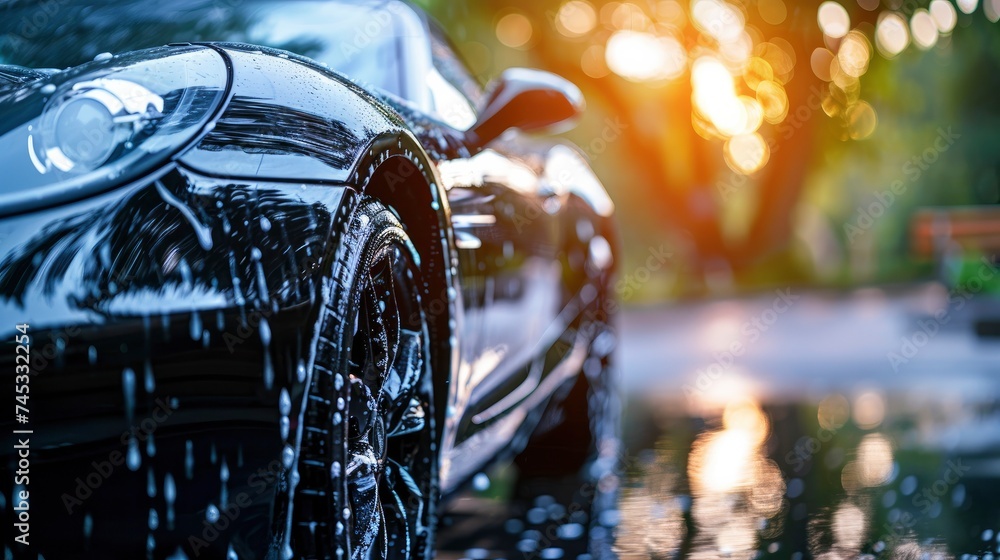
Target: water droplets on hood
[[154, 519], [88, 525]]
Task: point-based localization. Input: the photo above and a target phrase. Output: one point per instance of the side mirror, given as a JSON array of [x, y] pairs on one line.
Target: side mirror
[[528, 100]]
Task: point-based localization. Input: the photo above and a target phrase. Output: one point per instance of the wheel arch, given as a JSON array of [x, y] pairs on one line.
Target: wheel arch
[[396, 171]]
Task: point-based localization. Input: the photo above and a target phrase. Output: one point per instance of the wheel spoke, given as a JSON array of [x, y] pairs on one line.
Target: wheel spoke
[[411, 420], [362, 483], [396, 515], [405, 371]]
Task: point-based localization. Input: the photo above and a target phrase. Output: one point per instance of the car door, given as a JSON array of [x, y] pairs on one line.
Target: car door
[[508, 237]]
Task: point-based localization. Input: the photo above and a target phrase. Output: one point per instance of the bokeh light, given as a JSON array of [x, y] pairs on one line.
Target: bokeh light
[[592, 62], [854, 54], [641, 56], [924, 29], [746, 153], [773, 100], [576, 18], [833, 412], [514, 30], [869, 410], [773, 12], [820, 61], [944, 15], [717, 19], [833, 19], [861, 121], [891, 34], [992, 10], [756, 71], [874, 461], [967, 6]]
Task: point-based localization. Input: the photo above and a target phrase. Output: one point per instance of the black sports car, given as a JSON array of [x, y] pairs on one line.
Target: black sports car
[[279, 301]]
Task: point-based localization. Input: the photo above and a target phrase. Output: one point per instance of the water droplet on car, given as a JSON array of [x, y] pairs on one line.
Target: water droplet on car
[[103, 56], [169, 495], [335, 469], [212, 513], [188, 459], [481, 482], [48, 89], [132, 458], [284, 402], [195, 326], [150, 484], [265, 224], [128, 391], [150, 381], [88, 525], [287, 456], [154, 520], [284, 427]]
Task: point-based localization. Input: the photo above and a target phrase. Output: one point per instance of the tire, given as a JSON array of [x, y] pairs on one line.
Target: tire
[[366, 478]]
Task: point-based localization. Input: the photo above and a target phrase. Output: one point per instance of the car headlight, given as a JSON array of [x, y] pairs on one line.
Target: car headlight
[[105, 122]]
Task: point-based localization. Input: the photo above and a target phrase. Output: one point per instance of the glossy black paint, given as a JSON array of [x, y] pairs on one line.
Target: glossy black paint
[[197, 284]]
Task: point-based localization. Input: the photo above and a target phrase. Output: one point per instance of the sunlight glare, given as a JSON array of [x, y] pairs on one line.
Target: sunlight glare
[[641, 57]]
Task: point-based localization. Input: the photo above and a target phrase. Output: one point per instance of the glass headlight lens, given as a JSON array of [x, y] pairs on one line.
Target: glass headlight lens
[[105, 122]]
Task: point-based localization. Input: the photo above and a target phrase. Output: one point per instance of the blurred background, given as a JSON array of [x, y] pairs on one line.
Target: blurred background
[[753, 139], [808, 195]]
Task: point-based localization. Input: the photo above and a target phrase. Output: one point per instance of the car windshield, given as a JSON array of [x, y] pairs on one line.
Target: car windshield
[[362, 41]]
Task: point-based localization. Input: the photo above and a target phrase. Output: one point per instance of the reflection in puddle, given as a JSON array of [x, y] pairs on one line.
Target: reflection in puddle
[[737, 493], [835, 479]]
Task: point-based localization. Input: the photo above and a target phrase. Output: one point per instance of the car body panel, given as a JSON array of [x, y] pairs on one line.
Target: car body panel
[[227, 247]]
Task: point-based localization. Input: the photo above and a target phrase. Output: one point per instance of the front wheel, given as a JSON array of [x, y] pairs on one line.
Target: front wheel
[[365, 485]]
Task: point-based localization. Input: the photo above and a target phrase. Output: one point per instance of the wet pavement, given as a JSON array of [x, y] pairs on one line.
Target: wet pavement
[[785, 425]]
